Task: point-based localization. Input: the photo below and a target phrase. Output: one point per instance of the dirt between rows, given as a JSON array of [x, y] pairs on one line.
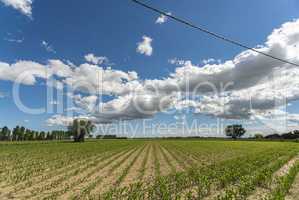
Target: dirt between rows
[[262, 193]]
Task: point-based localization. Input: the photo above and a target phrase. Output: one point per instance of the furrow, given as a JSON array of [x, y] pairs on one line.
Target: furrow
[[66, 180], [134, 170], [103, 183], [75, 183]]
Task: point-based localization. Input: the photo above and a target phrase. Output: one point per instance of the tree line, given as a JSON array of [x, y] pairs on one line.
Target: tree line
[[78, 131], [237, 131], [20, 133], [292, 135]]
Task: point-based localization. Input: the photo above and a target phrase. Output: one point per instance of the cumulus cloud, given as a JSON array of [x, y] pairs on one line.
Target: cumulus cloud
[[48, 47], [86, 77], [94, 79], [24, 6], [211, 60], [62, 120], [25, 72], [132, 107], [246, 86], [293, 118], [179, 62], [247, 69], [86, 103], [145, 47], [96, 60]]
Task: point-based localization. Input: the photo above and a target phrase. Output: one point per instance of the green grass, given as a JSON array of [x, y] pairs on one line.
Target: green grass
[[284, 184]]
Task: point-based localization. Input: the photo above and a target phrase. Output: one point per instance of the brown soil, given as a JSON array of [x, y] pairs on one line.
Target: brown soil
[[96, 175], [110, 177], [262, 193], [173, 162], [48, 187], [149, 173], [11, 190], [164, 166], [135, 170]]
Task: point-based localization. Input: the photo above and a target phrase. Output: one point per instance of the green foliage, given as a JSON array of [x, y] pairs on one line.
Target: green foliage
[[235, 131], [284, 184], [80, 128], [258, 136], [23, 134], [248, 170], [236, 168]]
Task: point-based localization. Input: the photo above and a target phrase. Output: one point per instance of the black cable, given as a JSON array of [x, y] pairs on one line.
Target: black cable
[[215, 35]]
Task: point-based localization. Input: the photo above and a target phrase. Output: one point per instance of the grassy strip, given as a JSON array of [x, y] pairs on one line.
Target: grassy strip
[[114, 190], [261, 178], [144, 162], [185, 159], [174, 186], [156, 160], [284, 184], [167, 159], [126, 170], [177, 159]]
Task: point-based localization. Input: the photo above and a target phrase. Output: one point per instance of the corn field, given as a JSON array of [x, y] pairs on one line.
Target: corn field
[[150, 169]]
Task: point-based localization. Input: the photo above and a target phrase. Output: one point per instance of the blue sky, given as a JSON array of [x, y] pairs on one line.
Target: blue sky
[[113, 29]]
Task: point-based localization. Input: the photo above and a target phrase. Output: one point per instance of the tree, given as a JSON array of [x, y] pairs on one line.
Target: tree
[[80, 128], [22, 133], [5, 133], [16, 133], [42, 135], [235, 131], [296, 132], [258, 136]]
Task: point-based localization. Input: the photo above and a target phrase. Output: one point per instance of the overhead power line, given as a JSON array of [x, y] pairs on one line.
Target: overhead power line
[[215, 35]]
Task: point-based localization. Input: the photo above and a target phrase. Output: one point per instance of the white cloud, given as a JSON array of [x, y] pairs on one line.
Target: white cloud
[[91, 58], [132, 107], [59, 120], [85, 78], [54, 102], [25, 72], [48, 47], [24, 6], [210, 61], [60, 69], [246, 70], [256, 84], [14, 40], [145, 47], [86, 103], [95, 80], [176, 61], [162, 19], [64, 121]]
